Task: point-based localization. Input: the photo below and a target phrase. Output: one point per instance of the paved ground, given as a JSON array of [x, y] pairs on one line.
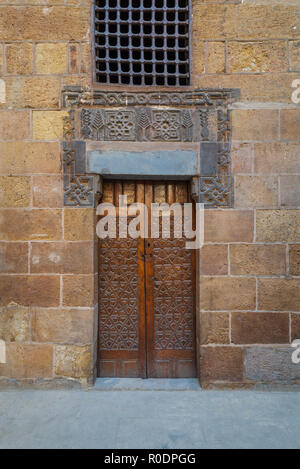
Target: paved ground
[[107, 417]]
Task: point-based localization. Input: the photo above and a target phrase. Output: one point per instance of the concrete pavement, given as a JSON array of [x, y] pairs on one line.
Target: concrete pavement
[[109, 417]]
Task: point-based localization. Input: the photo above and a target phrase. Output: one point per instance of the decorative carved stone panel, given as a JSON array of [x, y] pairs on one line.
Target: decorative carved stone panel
[[120, 125], [193, 116], [75, 96], [137, 125]]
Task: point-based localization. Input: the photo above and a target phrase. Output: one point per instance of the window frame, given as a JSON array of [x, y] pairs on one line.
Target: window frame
[[110, 86]]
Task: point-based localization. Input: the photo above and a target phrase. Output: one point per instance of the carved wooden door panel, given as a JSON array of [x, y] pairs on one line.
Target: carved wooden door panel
[[146, 294], [170, 299], [122, 294]]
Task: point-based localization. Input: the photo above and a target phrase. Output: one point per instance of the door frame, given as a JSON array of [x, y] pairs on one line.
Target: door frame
[[146, 303]]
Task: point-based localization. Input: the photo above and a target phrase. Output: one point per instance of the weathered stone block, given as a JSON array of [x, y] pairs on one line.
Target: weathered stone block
[[277, 294], [255, 124], [255, 259], [13, 258], [14, 323], [213, 22], [62, 325], [73, 361], [150, 163], [242, 157], [51, 58], [1, 60], [29, 157], [260, 328], [74, 62], [294, 259], [215, 57], [214, 328], [278, 226], [295, 326], [48, 125], [80, 224], [86, 62], [79, 258], [19, 58], [29, 290], [294, 53], [221, 364], [14, 124], [199, 58], [26, 225], [54, 23], [47, 191], [289, 191], [227, 293], [28, 361], [269, 87], [266, 22], [227, 226], [77, 80], [290, 124], [256, 191], [73, 258], [268, 2], [47, 257], [32, 92], [79, 290], [214, 259], [14, 191], [276, 158], [262, 57], [271, 365]]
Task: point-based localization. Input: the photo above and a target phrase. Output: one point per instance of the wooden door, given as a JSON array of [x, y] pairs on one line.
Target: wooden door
[[146, 293]]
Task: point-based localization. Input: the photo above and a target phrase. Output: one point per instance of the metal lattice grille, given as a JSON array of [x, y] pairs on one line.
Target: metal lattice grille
[[142, 42]]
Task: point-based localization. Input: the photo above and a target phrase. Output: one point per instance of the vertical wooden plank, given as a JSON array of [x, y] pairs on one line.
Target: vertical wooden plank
[[181, 192], [99, 247], [149, 195], [118, 192], [170, 193], [108, 192], [194, 280], [129, 189], [140, 198], [159, 193]]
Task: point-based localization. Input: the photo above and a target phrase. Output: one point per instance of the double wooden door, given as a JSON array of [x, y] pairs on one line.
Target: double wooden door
[[146, 293]]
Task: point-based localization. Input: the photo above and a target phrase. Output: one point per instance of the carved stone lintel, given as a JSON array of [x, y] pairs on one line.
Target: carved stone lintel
[[138, 124], [185, 116], [77, 96]]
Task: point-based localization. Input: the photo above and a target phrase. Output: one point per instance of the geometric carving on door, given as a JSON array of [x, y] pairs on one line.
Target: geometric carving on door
[[173, 295], [118, 295]]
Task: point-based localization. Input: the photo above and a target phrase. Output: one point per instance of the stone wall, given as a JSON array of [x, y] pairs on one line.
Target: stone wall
[[47, 283], [249, 295], [250, 276]]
